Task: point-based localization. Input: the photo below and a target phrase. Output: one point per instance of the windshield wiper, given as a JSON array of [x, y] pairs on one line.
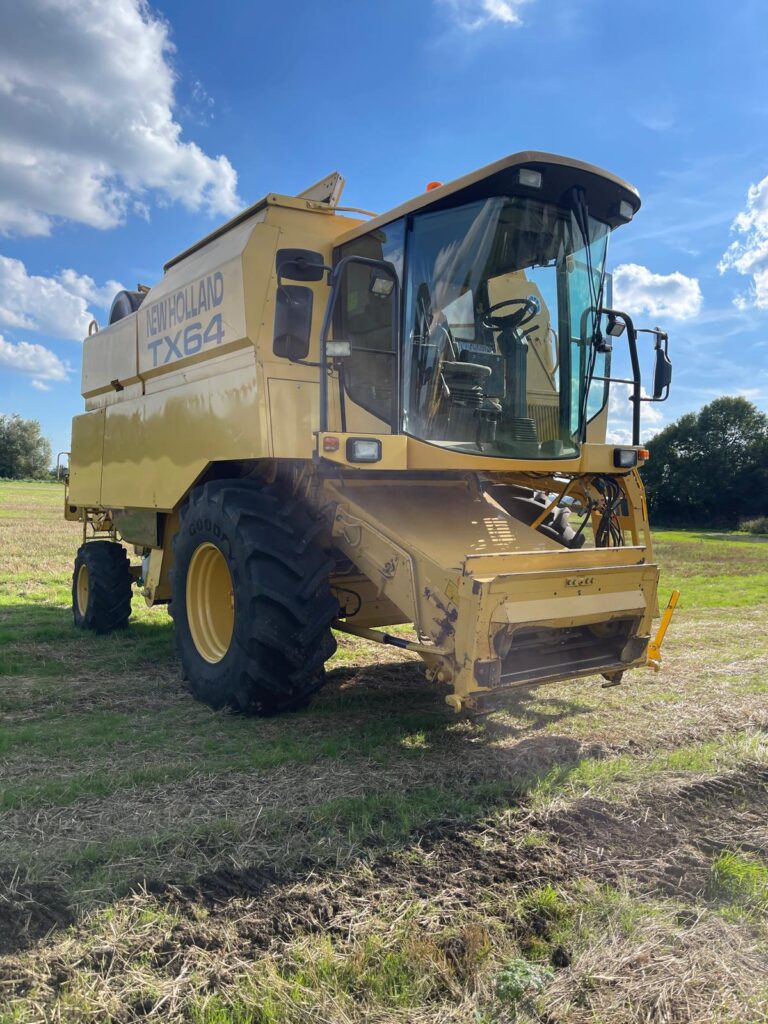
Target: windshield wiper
[[581, 216]]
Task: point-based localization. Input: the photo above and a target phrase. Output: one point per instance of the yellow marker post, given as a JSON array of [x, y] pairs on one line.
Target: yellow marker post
[[654, 647]]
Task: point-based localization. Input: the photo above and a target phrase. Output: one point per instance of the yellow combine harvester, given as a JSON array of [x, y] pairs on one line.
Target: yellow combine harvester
[[315, 421]]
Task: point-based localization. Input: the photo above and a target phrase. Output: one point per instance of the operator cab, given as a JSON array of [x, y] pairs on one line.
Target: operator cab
[[471, 317]]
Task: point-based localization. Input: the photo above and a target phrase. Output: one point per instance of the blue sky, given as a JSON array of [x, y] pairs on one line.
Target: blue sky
[[128, 130]]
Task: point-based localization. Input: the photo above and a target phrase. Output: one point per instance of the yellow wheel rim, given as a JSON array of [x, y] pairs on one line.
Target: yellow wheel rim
[[83, 589], [210, 603]]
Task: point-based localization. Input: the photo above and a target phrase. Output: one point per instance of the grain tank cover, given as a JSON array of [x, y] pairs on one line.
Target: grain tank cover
[[325, 192]]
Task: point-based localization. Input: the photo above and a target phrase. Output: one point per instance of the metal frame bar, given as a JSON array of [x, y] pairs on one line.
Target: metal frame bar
[[636, 382], [387, 638]]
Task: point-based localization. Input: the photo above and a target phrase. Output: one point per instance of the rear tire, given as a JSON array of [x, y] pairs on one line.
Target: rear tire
[[101, 587], [250, 598]]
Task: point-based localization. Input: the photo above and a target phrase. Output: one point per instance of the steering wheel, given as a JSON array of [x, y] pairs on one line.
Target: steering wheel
[[525, 311]]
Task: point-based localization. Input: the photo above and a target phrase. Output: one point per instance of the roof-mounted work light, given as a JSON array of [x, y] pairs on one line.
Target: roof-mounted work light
[[530, 178], [615, 327], [624, 212], [381, 284]]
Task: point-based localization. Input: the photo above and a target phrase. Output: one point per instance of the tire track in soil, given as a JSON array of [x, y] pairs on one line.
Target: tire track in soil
[[662, 840], [665, 841]]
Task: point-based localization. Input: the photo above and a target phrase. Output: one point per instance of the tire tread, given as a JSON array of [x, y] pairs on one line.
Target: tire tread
[[279, 658], [110, 581]]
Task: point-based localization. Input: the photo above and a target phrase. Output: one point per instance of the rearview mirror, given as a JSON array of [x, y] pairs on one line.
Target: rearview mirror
[[300, 265], [293, 321], [662, 373]]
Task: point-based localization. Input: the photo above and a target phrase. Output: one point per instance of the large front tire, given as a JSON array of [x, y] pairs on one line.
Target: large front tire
[[250, 598]]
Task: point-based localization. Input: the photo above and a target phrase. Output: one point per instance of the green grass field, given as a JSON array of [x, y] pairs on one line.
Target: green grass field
[[577, 855]]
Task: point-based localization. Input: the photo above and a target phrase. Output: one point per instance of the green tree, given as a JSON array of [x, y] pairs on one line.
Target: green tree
[[24, 451], [710, 466]]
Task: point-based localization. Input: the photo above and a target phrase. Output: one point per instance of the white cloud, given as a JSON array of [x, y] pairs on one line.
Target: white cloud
[[637, 290], [471, 15], [56, 306], [86, 288], [748, 255], [87, 129], [620, 417], [658, 120], [34, 361]]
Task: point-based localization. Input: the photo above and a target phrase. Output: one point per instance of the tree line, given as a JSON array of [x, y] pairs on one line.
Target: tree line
[[710, 467], [24, 450]]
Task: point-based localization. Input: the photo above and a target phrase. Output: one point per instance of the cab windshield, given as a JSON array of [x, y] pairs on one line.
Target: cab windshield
[[498, 326]]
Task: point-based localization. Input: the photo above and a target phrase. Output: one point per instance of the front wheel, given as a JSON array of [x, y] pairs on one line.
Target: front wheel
[[250, 598]]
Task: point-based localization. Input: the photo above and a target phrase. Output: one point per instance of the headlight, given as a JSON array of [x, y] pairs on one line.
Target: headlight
[[363, 449], [625, 458]]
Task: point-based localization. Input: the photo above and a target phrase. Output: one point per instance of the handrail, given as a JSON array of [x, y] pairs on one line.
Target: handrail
[[636, 382]]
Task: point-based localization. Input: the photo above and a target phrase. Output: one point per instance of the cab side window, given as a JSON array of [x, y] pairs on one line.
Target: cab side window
[[365, 321]]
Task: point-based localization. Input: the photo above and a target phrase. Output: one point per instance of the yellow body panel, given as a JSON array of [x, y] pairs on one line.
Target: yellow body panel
[[86, 458], [155, 447], [443, 521], [409, 453], [188, 401], [174, 317], [293, 410], [110, 360]]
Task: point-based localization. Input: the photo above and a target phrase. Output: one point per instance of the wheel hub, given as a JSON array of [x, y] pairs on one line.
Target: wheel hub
[[83, 589], [210, 603]]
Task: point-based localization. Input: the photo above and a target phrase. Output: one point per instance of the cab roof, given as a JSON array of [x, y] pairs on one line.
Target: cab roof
[[605, 191]]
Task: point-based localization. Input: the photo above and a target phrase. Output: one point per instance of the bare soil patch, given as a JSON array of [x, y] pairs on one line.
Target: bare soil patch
[[29, 911]]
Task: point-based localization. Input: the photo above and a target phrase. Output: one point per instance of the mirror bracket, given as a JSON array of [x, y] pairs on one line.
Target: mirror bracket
[[300, 265]]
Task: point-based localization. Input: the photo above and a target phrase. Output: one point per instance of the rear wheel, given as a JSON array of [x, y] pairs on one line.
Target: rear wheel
[[101, 587], [251, 600]]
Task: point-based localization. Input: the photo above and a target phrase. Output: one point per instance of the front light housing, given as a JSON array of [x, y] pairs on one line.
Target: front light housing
[[363, 449], [338, 349], [625, 458]]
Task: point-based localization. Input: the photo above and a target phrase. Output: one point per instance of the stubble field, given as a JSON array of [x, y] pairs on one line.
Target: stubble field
[[578, 855]]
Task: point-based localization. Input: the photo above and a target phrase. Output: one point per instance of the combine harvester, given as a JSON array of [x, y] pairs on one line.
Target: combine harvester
[[318, 422]]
